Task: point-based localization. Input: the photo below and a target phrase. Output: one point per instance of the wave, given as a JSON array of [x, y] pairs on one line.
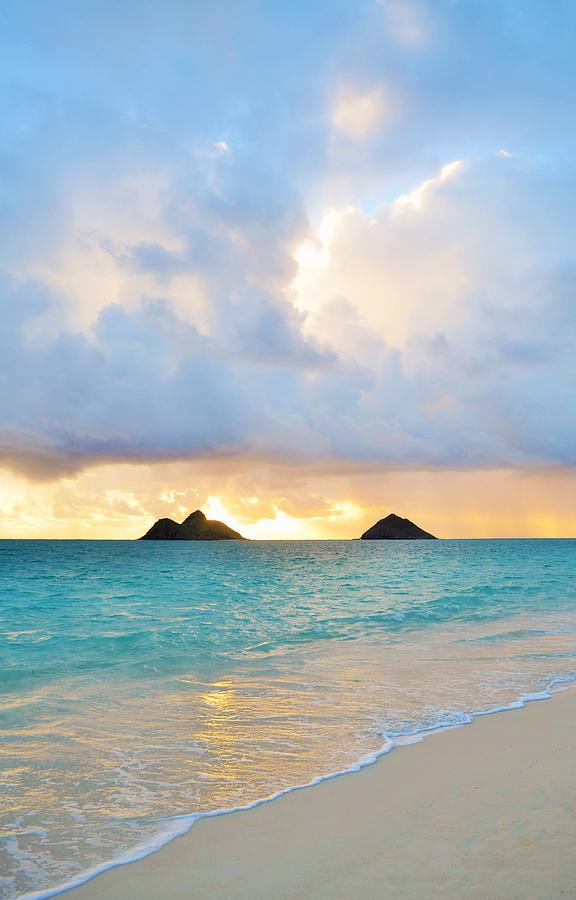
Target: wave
[[177, 826]]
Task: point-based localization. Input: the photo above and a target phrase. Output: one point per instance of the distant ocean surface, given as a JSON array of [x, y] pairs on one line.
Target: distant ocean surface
[[143, 682]]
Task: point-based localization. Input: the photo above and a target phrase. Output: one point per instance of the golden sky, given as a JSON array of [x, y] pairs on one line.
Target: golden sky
[[122, 501]]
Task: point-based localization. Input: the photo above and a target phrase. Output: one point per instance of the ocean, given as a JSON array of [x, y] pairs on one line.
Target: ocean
[[144, 685]]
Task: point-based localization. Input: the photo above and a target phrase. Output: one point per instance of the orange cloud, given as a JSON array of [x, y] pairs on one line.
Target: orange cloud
[[121, 501]]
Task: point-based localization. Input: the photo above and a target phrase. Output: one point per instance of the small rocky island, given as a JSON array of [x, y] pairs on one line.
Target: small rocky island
[[196, 527], [394, 528]]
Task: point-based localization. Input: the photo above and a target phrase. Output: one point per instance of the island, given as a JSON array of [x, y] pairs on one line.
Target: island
[[395, 528], [195, 527]]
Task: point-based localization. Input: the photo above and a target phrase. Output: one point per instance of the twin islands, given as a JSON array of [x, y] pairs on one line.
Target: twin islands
[[196, 527]]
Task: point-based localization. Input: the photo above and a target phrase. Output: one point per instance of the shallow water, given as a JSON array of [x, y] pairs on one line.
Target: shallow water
[[140, 681]]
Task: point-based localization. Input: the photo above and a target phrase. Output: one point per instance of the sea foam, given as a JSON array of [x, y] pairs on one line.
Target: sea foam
[[147, 686]]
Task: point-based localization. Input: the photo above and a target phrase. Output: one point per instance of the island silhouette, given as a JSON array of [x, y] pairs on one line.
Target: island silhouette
[[395, 528], [196, 527]]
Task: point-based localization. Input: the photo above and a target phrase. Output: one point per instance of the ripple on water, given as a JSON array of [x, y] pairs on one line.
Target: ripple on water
[[141, 681]]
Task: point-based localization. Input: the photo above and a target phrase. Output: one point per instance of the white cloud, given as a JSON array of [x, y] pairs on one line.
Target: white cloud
[[359, 115], [416, 197], [164, 298]]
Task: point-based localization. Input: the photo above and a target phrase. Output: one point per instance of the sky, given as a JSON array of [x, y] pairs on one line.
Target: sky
[[298, 264]]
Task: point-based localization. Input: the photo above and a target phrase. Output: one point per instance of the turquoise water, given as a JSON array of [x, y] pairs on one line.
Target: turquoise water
[[142, 682]]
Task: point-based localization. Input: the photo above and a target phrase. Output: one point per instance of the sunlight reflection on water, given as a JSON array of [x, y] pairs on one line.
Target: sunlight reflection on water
[[201, 678]]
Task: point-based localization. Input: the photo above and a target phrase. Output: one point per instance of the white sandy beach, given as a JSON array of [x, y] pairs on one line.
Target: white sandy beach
[[483, 811]]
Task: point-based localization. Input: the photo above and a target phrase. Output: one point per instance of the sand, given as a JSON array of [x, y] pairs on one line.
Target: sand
[[483, 811]]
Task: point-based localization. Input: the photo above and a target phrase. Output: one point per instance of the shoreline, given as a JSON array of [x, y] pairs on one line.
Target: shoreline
[[135, 874]]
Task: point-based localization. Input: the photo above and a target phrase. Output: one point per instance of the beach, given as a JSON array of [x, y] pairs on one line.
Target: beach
[[482, 811]]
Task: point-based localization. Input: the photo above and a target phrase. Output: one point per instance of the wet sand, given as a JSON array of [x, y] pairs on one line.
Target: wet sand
[[483, 811]]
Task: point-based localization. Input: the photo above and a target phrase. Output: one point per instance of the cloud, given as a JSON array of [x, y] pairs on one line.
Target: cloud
[[438, 332], [305, 501], [359, 115], [260, 246], [474, 286]]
